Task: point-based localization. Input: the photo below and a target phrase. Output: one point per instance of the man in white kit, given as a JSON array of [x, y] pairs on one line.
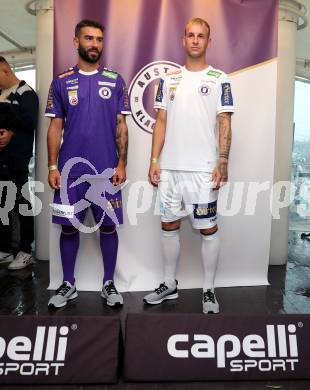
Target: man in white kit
[[193, 136]]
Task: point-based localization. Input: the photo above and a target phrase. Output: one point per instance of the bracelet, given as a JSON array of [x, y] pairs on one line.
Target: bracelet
[[154, 160], [52, 168]]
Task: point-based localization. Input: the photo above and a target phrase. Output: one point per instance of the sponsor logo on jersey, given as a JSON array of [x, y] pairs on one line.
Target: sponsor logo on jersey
[[208, 81], [49, 104], [206, 211], [61, 76], [72, 87], [72, 81], [172, 91], [107, 83], [174, 72], [42, 355], [151, 73], [175, 79], [50, 99], [159, 94], [226, 98], [214, 73], [73, 97], [126, 98], [275, 349], [62, 210], [204, 90], [105, 92], [114, 204], [110, 74]]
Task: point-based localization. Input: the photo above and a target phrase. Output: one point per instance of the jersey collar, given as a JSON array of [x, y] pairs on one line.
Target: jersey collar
[[88, 73]]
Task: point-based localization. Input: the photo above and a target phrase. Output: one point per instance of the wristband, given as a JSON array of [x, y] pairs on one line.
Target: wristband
[[154, 160], [52, 168]]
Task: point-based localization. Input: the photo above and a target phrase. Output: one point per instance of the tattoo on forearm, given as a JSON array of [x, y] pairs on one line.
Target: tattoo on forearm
[[122, 139], [224, 120], [223, 170]]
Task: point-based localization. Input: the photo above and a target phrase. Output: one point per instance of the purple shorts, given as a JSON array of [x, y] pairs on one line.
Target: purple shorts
[[72, 201]]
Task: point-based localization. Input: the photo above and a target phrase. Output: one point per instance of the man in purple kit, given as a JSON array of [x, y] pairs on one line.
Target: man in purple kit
[[87, 105]]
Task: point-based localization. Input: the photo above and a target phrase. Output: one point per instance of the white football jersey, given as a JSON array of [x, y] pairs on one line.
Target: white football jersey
[[192, 100]]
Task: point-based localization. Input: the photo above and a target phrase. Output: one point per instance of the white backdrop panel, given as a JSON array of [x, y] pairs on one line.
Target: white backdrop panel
[[245, 240]]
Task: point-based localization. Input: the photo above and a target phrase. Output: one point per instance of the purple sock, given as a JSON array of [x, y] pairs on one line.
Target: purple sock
[[69, 245], [109, 245]]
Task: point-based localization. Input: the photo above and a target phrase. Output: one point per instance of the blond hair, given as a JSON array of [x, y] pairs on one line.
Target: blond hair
[[200, 21]]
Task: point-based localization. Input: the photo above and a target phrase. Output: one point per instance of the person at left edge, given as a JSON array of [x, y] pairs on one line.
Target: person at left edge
[[87, 105], [18, 121]]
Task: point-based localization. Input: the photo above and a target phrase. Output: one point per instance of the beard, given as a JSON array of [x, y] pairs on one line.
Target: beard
[[84, 54]]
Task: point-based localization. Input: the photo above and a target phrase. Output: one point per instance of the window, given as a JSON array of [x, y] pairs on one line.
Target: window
[[300, 207], [29, 75]]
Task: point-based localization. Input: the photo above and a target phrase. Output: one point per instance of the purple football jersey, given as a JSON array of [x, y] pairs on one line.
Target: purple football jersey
[[89, 103]]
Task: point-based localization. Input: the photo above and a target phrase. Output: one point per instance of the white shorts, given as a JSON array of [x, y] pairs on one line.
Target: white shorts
[[184, 193]]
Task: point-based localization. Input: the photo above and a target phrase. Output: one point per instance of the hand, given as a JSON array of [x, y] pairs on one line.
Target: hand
[[154, 174], [5, 137], [220, 175], [54, 179], [120, 174]]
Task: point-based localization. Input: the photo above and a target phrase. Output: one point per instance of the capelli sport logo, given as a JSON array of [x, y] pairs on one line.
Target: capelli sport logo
[[42, 355], [275, 350], [143, 89]]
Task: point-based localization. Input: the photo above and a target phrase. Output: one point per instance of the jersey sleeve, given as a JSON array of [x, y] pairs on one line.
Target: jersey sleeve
[[225, 101], [123, 98], [54, 105], [161, 95]]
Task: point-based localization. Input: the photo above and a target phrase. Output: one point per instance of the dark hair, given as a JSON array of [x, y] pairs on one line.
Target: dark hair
[[87, 23], [2, 59]]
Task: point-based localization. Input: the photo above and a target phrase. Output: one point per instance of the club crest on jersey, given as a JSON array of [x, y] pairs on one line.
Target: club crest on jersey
[[105, 92], [148, 76], [73, 97], [204, 90]]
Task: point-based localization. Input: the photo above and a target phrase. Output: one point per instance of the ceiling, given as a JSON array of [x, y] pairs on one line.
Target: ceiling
[[19, 25], [303, 36]]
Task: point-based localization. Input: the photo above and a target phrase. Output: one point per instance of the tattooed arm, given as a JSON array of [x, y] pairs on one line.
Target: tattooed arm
[[122, 147], [220, 174]]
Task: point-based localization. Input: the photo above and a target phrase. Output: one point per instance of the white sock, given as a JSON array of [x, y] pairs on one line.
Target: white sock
[[171, 249], [210, 249]]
